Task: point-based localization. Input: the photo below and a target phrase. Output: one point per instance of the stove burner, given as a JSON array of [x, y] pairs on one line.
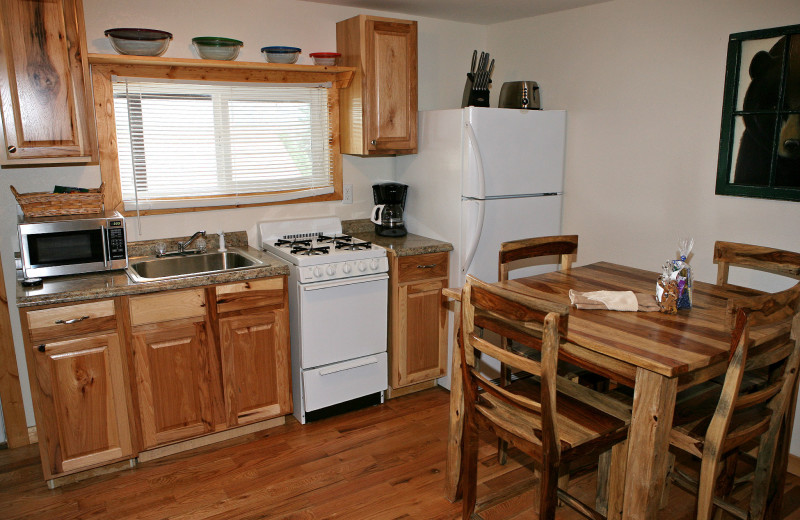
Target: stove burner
[[325, 238], [353, 246], [310, 251], [295, 242]]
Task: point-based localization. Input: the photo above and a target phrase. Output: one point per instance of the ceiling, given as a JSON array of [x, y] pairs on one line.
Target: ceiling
[[469, 11]]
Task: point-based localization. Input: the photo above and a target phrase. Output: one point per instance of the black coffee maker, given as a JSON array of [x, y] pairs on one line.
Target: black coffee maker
[[387, 215]]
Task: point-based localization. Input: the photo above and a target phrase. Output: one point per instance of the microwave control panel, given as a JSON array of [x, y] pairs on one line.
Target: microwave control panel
[[116, 240]]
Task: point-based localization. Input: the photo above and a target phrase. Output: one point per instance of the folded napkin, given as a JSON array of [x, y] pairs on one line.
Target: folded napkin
[[614, 301]]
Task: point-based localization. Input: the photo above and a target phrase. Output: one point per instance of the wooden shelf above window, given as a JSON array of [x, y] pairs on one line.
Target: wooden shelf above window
[[340, 77]]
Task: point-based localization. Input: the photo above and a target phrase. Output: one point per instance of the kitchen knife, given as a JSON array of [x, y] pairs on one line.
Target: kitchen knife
[[474, 58]]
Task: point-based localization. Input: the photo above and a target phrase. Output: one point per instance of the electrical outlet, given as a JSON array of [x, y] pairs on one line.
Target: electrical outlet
[[347, 195]]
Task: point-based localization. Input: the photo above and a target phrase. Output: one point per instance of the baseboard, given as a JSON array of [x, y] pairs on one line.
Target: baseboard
[[171, 449], [793, 466]]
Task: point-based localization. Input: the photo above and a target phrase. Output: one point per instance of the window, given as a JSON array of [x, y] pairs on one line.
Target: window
[[759, 153], [182, 143], [183, 135]]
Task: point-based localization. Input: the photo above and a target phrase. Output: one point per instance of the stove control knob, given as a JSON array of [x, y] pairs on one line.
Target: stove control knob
[[317, 272], [373, 264], [331, 270], [362, 266], [347, 268]]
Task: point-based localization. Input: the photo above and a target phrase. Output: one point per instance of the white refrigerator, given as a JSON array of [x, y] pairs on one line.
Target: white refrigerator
[[484, 176]]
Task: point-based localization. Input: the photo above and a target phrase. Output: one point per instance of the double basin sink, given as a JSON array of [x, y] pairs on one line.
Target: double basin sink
[[184, 266]]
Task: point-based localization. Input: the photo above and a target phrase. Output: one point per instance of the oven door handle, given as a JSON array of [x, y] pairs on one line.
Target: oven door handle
[[345, 281], [348, 366], [105, 251]]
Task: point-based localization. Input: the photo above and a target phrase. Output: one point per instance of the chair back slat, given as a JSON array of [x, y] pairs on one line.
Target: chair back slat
[[726, 254], [565, 246]]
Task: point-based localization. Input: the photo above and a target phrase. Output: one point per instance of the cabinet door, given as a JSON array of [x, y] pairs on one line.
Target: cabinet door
[[83, 419], [172, 381], [255, 365], [422, 323], [391, 76], [43, 69]]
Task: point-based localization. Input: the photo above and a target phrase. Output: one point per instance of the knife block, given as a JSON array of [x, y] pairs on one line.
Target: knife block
[[473, 97]]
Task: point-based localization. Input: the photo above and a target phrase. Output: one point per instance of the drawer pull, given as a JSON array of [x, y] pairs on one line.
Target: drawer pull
[[429, 266], [41, 347], [69, 322]]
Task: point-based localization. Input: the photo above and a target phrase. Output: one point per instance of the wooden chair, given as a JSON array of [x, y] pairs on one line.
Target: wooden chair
[[544, 416], [713, 422], [726, 254]]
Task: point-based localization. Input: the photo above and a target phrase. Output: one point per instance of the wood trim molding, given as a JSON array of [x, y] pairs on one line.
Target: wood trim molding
[[10, 390], [793, 466], [103, 67]]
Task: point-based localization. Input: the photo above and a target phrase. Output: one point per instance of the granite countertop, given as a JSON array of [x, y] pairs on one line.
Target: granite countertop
[[401, 246], [73, 288]]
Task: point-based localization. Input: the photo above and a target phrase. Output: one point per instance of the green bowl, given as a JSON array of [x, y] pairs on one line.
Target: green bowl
[[214, 48]]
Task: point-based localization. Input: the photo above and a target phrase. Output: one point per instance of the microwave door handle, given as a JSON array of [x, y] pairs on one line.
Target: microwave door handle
[[105, 252]]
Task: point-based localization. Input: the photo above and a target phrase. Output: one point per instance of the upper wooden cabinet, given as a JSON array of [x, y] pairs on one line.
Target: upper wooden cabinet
[[379, 111], [44, 83]]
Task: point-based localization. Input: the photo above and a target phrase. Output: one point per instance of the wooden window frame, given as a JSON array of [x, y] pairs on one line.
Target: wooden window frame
[[103, 67], [733, 74]]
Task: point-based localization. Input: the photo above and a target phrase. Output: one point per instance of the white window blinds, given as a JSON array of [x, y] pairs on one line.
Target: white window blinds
[[188, 144]]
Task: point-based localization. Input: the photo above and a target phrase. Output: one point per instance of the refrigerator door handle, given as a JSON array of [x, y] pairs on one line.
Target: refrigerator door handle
[[481, 177], [477, 229]]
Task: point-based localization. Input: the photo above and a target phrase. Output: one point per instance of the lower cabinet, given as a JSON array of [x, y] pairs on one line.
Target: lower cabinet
[[77, 374], [255, 366], [417, 320], [111, 378]]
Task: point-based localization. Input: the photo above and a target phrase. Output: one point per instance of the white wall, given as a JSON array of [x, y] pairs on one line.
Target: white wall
[[642, 81], [257, 23]]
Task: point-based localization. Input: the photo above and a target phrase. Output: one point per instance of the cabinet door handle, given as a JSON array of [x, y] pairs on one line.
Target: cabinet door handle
[[74, 320], [12, 149], [373, 142], [41, 347], [429, 266]]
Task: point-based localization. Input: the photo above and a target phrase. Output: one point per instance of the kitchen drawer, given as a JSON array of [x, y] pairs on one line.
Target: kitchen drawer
[[167, 306], [421, 267], [71, 320], [249, 294], [340, 382]]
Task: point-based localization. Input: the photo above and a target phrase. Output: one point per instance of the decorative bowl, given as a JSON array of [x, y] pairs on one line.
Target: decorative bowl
[[139, 42], [280, 54], [214, 48], [324, 58]]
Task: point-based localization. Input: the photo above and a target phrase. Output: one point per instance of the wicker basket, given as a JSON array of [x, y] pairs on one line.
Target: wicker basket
[[44, 204]]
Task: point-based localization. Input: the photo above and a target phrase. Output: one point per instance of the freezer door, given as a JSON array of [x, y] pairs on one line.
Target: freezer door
[[513, 152], [504, 220]]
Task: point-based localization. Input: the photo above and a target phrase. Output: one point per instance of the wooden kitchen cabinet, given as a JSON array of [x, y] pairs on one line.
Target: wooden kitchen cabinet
[[75, 361], [173, 380], [254, 350], [44, 84], [417, 321], [378, 112]]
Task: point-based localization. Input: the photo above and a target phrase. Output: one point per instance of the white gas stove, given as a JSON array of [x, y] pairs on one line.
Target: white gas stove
[[338, 299]]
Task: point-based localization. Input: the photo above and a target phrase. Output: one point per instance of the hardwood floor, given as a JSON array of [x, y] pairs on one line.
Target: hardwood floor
[[384, 462]]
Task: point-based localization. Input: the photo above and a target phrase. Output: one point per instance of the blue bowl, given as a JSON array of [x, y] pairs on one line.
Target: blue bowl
[[281, 54]]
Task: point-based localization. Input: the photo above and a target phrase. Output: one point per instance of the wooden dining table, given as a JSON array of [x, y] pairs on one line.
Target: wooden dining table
[[654, 353]]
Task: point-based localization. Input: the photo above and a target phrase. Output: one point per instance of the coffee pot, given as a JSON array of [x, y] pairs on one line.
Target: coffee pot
[[387, 215]]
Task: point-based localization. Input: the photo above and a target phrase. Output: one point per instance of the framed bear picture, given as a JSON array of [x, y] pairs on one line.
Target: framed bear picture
[[759, 152]]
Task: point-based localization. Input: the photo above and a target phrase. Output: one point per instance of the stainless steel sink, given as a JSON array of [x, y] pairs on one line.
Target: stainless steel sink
[[189, 265]]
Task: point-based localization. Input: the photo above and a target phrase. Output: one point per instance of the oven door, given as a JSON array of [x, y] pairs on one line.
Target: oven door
[[342, 319]]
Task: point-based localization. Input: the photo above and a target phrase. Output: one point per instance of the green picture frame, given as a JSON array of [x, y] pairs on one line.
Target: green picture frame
[[759, 150]]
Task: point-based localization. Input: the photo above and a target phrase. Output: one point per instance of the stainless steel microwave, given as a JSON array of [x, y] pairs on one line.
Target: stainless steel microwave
[[53, 246]]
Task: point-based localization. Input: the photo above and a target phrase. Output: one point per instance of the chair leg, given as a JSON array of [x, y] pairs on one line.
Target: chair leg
[[548, 491], [709, 471], [563, 479], [469, 469], [611, 468], [502, 448]]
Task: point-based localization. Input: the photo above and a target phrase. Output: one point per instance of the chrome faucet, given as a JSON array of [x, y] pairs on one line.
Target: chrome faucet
[[183, 245]]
